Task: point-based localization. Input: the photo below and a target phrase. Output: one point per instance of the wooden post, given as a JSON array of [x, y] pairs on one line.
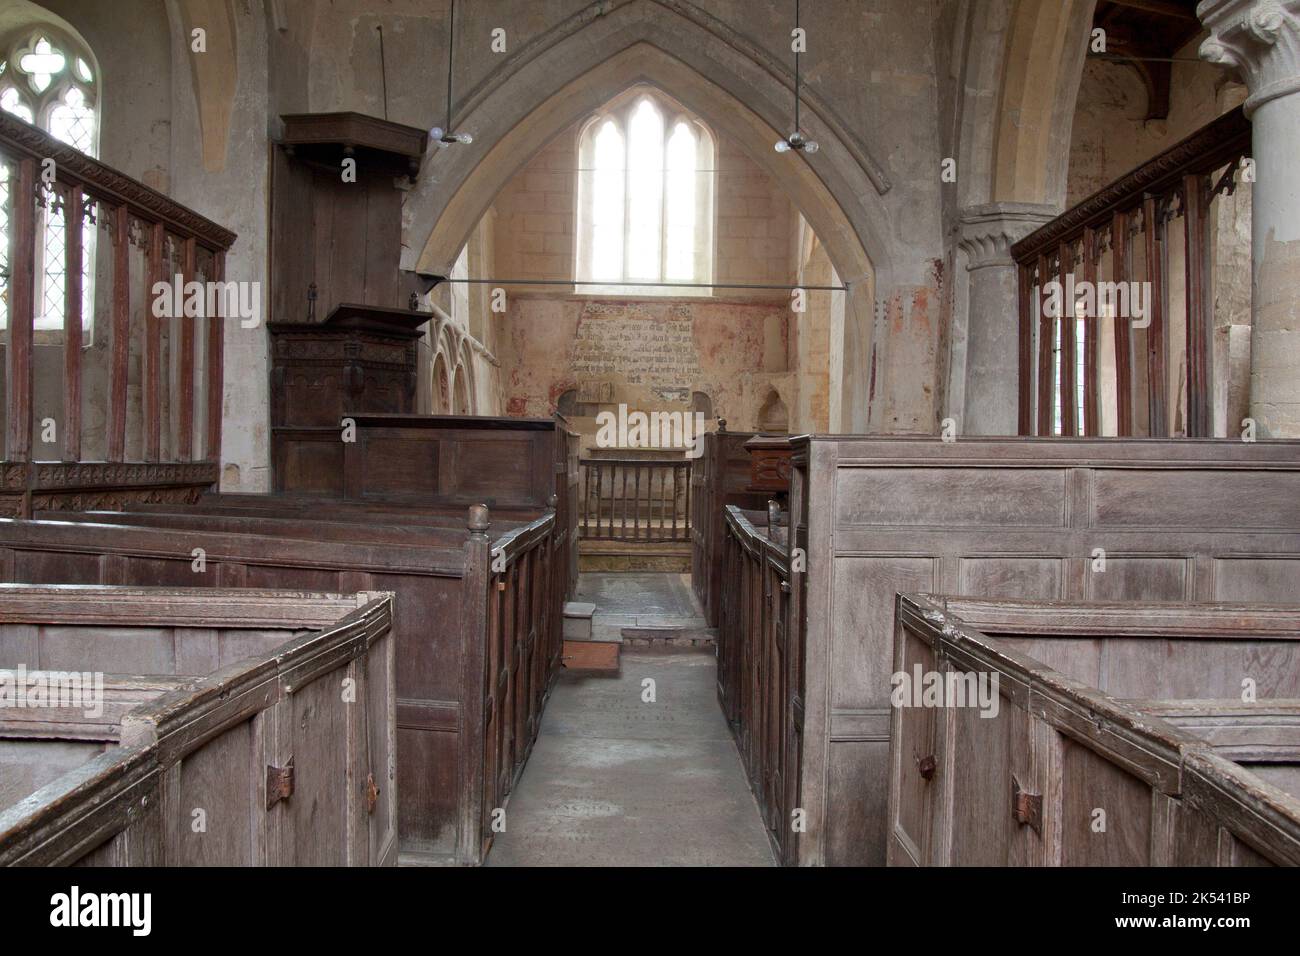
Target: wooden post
[[1090, 336], [1069, 333], [476, 595], [1156, 331], [153, 348], [22, 314], [1044, 355], [72, 319], [121, 334], [1123, 350], [1199, 318], [215, 358], [1024, 413], [185, 422]]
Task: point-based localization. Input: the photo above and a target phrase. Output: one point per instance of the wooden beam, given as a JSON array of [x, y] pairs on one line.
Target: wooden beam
[[1196, 230], [1164, 8], [119, 365], [215, 357], [72, 318], [22, 314], [185, 421]]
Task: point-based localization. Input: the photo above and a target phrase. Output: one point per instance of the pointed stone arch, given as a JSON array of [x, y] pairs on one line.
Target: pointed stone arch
[[741, 92]]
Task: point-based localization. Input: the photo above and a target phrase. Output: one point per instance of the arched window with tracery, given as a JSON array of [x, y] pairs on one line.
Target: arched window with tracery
[[50, 80], [645, 197]]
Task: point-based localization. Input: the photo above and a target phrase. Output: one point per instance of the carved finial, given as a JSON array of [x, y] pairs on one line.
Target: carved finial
[[773, 515], [553, 502], [479, 519], [722, 424]]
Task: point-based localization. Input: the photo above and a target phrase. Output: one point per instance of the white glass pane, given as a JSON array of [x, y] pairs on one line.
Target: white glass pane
[[682, 204], [646, 182], [73, 122], [4, 244], [608, 180], [11, 102]]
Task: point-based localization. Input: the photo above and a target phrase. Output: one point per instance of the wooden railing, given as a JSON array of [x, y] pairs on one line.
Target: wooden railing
[[165, 404], [1108, 371], [632, 499]]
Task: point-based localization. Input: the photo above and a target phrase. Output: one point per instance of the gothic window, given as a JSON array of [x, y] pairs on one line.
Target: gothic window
[[645, 198], [47, 80]]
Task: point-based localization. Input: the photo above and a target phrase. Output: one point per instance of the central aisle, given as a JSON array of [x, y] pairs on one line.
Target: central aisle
[[619, 782]]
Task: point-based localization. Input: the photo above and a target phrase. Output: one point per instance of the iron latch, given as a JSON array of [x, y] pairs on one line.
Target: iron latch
[[279, 783], [1026, 806]]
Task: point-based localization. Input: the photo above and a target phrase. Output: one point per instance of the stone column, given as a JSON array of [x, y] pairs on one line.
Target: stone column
[[992, 341], [1261, 39]]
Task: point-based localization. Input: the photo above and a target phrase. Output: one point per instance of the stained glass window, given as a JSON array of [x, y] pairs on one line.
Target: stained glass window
[[46, 80]]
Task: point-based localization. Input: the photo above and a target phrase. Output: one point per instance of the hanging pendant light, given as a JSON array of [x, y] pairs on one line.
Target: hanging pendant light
[[443, 137], [796, 141]]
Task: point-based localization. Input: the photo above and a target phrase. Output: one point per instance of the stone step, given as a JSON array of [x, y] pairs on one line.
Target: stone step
[[577, 620], [675, 637]]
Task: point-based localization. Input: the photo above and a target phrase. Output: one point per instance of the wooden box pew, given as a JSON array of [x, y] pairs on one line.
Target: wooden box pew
[[339, 509], [753, 676], [324, 528], [1040, 766], [445, 594], [427, 460], [1082, 520], [205, 727]]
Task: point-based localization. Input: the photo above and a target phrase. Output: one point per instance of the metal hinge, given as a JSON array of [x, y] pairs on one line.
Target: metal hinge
[[279, 783], [372, 793], [1026, 807]]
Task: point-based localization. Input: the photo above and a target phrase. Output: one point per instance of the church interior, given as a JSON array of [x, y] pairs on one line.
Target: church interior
[[650, 433]]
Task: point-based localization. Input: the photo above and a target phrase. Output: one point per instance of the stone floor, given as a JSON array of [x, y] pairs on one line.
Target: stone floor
[[617, 781], [638, 600]]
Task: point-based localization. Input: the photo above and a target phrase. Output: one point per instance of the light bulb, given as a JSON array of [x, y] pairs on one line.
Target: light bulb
[[811, 146], [436, 132], [782, 146], [465, 138]]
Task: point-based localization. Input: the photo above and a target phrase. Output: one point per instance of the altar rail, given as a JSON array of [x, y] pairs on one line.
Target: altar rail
[[636, 499], [163, 406], [1112, 374]]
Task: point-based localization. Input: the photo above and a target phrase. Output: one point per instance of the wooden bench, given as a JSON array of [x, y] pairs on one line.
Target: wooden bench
[[197, 727], [1018, 518], [463, 603], [1168, 765], [722, 476]]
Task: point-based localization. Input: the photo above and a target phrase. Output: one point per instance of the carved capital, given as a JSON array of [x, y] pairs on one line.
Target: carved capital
[[989, 231], [1258, 38]]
